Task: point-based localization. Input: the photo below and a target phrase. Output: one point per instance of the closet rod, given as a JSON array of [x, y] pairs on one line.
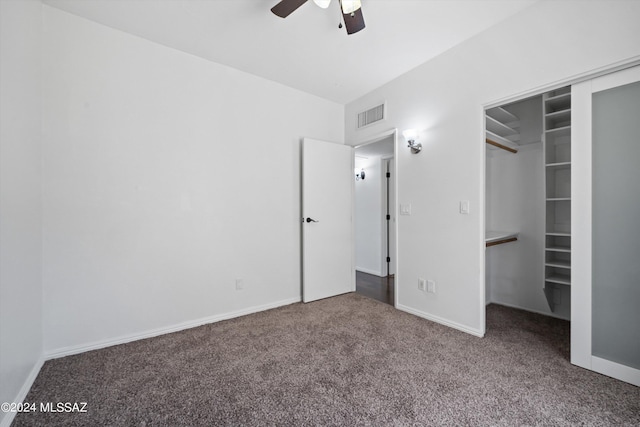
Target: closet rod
[[504, 147], [499, 242]]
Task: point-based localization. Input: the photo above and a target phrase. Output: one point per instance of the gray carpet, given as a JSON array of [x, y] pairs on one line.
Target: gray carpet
[[347, 360]]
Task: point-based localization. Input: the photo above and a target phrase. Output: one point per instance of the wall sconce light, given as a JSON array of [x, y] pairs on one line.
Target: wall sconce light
[[411, 135], [360, 175]]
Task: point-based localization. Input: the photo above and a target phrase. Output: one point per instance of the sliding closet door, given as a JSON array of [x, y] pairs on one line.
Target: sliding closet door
[[607, 304]]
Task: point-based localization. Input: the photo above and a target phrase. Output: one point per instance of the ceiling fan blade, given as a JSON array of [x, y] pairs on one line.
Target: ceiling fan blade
[[353, 22], [286, 7]]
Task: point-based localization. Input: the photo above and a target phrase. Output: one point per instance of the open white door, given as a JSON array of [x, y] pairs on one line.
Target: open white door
[[605, 294], [327, 226]]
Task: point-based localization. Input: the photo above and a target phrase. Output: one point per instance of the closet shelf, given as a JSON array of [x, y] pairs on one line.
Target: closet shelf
[[560, 165], [565, 112], [558, 120], [559, 130], [565, 249], [558, 234], [503, 116], [559, 199], [502, 140], [558, 102], [493, 238], [562, 279], [502, 129], [558, 264]]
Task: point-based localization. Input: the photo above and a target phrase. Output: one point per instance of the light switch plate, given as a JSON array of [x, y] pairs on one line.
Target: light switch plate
[[431, 286], [464, 207], [405, 209]]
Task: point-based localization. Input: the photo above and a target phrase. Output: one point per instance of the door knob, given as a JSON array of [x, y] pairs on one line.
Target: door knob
[[311, 220]]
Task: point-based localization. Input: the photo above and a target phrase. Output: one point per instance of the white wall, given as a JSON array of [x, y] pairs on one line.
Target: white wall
[[20, 199], [547, 42], [166, 177], [515, 202], [368, 217]]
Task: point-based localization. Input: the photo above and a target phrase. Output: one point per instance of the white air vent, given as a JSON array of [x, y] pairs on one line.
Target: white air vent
[[371, 116]]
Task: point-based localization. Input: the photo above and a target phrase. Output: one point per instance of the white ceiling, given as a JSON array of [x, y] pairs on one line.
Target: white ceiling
[[306, 50]]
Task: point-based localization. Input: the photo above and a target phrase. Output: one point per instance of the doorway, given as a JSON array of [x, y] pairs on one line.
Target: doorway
[[374, 219]]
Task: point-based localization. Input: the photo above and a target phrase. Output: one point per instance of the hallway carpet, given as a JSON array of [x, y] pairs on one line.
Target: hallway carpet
[[342, 361]]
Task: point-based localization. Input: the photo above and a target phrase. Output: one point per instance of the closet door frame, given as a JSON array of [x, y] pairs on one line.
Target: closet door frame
[[581, 225]]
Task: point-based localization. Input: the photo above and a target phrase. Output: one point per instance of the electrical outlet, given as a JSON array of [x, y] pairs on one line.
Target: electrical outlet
[[239, 284], [431, 286], [421, 284]]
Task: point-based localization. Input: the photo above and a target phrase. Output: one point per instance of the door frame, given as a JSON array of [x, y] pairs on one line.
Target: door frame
[[370, 140]]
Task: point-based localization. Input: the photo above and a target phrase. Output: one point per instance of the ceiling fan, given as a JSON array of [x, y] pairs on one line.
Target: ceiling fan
[[351, 11]]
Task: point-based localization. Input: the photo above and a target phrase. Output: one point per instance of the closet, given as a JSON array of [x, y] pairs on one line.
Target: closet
[[528, 203]]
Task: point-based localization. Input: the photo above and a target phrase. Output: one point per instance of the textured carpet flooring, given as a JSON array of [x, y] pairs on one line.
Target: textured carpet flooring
[[347, 360]]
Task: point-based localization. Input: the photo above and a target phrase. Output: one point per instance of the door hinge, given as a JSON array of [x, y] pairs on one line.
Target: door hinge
[[388, 174], [388, 259], [388, 217]]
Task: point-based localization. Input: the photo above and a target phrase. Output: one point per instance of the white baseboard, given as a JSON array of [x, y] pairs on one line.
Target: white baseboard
[[24, 390], [615, 370], [442, 321], [366, 270], [77, 349], [544, 313]]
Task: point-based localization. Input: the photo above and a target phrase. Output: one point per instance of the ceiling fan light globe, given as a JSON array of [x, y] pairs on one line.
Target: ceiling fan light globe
[[322, 3], [350, 6]]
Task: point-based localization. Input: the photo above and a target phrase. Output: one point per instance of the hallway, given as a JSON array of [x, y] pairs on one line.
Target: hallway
[[372, 286]]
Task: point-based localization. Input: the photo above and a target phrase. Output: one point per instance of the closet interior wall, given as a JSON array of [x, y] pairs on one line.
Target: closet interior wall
[[515, 202]]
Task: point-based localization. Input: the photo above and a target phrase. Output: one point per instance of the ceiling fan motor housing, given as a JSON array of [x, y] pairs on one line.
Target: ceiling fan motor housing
[[351, 12]]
